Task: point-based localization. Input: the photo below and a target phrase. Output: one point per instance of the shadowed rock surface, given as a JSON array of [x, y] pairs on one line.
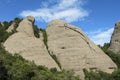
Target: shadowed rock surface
[[115, 39], [75, 50]]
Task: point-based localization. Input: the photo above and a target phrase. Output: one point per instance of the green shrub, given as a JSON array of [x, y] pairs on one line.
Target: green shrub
[[3, 34], [0, 25], [16, 21], [116, 75], [45, 39], [105, 46], [3, 70], [114, 57], [56, 60], [91, 75], [36, 31], [7, 24]]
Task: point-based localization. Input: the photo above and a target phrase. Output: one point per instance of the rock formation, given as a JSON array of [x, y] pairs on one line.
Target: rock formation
[[11, 27], [75, 50], [115, 39], [26, 26], [27, 45]]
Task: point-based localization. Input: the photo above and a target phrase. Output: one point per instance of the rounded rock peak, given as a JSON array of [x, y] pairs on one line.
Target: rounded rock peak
[[57, 22], [26, 26], [30, 18]]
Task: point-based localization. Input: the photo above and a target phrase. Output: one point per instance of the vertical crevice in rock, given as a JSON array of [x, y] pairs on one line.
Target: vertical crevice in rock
[[45, 39]]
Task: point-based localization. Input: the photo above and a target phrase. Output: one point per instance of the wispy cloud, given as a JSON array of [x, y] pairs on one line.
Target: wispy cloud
[[100, 36], [69, 11]]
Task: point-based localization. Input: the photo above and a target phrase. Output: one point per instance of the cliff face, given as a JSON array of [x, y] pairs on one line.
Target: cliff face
[[115, 39], [73, 49]]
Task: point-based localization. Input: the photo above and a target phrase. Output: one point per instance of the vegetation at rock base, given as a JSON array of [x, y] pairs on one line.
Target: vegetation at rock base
[[3, 71], [3, 34], [16, 68], [112, 55], [97, 75], [102, 75]]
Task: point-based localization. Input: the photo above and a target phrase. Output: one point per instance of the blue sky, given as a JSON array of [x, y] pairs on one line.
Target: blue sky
[[95, 17]]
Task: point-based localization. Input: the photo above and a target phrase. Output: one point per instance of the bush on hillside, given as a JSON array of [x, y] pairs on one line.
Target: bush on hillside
[[36, 31], [16, 21], [45, 37], [17, 68], [3, 34]]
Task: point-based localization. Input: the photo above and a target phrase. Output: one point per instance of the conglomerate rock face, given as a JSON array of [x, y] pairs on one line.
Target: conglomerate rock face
[[75, 50], [24, 42], [115, 39]]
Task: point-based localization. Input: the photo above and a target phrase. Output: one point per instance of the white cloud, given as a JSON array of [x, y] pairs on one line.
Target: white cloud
[[61, 9], [101, 37]]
